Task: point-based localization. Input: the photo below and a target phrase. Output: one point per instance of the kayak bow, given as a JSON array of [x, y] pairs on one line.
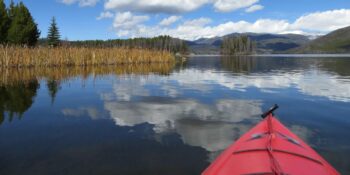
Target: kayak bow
[[270, 148]]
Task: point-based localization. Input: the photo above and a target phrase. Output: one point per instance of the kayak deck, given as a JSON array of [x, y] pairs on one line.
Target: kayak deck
[[270, 148]]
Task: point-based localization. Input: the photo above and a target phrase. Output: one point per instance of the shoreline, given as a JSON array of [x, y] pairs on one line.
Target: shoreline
[[79, 56], [278, 55]]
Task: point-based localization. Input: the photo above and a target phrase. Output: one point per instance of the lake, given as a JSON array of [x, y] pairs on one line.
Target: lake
[[166, 119]]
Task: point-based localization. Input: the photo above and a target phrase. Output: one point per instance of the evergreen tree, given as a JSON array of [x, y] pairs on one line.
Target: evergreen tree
[[163, 43], [3, 22], [11, 10], [53, 36], [240, 45], [23, 30]]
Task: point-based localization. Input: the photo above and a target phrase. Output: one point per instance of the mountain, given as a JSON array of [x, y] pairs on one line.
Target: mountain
[[205, 46], [337, 41], [266, 43]]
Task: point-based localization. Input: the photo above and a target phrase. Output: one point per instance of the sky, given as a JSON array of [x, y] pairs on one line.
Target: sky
[[187, 19]]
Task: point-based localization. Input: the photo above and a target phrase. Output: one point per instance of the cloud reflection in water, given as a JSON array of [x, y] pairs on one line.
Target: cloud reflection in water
[[212, 125], [200, 124], [311, 82]]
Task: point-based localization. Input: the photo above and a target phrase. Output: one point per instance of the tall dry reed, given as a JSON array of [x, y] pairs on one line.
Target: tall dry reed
[[15, 56]]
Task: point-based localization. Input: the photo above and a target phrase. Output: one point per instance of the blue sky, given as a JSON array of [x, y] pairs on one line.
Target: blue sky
[[187, 19]]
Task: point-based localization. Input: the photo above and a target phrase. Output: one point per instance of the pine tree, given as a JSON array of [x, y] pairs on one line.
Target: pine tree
[[11, 10], [23, 30], [3, 22], [240, 45], [53, 36]]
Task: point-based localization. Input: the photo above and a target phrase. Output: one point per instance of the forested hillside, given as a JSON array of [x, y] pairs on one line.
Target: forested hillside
[[335, 42], [265, 43]]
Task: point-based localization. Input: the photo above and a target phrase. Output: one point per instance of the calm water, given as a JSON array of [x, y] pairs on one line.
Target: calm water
[[161, 119]]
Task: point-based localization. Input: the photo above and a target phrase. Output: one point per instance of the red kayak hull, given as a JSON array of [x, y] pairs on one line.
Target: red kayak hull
[[270, 148]]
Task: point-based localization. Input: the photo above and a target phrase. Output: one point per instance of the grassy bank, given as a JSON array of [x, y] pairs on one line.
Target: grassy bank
[[79, 56]]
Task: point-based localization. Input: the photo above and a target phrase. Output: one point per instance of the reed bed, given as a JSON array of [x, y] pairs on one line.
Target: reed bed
[[15, 56], [12, 76]]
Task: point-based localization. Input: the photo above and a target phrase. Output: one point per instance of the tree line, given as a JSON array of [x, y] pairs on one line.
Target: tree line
[[241, 45], [17, 26], [163, 43]]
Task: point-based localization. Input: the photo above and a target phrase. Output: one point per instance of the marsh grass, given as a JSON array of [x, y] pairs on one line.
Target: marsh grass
[[15, 56]]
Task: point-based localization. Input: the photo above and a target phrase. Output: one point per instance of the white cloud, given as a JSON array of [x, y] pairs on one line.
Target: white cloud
[[254, 8], [197, 22], [155, 6], [199, 28], [314, 23], [231, 5], [324, 21], [175, 6], [104, 15], [82, 3], [170, 20], [159, 6], [127, 20], [128, 24]]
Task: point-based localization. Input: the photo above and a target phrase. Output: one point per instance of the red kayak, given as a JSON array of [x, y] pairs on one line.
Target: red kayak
[[270, 149]]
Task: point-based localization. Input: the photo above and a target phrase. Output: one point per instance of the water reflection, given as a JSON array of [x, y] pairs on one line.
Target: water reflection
[[251, 64], [18, 87], [199, 124], [15, 99], [92, 112], [9, 76], [324, 77], [308, 82], [146, 119], [53, 86], [166, 115]]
